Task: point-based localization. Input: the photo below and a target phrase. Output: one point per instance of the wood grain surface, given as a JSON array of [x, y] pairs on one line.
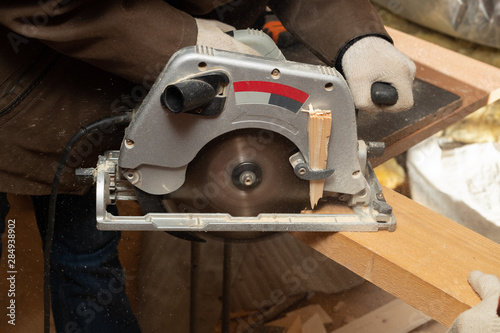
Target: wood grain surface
[[425, 262]]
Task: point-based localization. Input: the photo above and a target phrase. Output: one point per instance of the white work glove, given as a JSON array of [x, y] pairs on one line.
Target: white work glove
[[373, 59], [482, 318], [213, 33]]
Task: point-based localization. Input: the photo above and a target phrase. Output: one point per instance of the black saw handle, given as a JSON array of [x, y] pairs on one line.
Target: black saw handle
[[383, 93]]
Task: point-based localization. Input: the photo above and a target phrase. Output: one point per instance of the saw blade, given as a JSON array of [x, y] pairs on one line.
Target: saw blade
[[242, 173]]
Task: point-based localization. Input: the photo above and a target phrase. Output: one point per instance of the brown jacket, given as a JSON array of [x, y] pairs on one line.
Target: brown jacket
[[64, 64]]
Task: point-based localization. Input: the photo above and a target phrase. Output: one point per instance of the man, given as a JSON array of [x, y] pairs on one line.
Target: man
[[67, 63], [132, 41]]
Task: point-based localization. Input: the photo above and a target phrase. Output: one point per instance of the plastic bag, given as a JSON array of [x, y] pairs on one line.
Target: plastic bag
[[474, 20], [460, 182]]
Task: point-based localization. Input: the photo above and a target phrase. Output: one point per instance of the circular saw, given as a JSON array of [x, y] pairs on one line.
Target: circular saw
[[228, 142]]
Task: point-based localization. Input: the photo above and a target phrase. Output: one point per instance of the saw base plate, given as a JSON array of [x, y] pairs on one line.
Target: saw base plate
[[110, 187]]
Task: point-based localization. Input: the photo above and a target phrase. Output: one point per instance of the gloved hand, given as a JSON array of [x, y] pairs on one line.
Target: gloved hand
[[373, 59], [213, 33], [484, 317]]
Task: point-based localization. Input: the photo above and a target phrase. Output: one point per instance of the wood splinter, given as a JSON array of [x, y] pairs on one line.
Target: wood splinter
[[319, 129]]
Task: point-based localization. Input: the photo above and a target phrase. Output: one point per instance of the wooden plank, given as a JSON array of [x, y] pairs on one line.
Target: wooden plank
[[394, 317], [477, 83], [319, 129], [460, 74], [285, 322], [304, 314], [296, 326], [314, 325], [425, 262], [307, 312], [431, 327]]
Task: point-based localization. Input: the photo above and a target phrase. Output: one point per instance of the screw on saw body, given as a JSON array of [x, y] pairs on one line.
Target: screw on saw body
[[132, 176], [276, 73], [129, 143]]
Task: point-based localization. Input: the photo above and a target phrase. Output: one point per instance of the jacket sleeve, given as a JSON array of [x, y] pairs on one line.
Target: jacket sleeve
[[133, 39], [329, 27]]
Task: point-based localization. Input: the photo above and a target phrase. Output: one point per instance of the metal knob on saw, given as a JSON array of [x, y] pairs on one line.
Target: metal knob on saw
[[383, 93]]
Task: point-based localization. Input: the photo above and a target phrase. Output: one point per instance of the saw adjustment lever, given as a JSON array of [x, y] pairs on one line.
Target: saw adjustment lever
[[304, 171]]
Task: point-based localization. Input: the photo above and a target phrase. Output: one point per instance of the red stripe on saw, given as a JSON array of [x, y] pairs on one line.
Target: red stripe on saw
[[273, 88]]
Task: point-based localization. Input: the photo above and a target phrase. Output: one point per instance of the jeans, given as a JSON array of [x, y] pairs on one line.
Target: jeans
[[87, 280]]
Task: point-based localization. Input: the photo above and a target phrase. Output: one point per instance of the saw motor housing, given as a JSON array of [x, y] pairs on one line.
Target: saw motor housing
[[205, 93]]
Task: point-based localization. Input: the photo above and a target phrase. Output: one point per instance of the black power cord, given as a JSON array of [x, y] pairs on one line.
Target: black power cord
[[110, 121]]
